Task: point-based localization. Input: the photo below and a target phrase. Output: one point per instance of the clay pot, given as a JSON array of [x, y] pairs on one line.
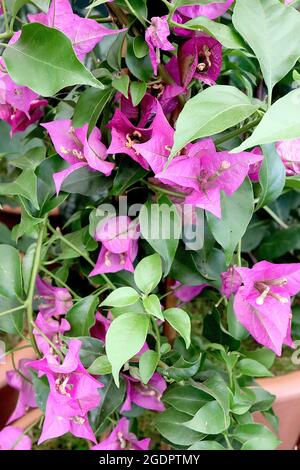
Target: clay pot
[[8, 395], [286, 407]]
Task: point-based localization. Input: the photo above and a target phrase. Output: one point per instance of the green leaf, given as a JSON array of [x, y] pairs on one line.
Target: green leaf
[[147, 365], [271, 176], [25, 185], [292, 182], [11, 323], [153, 307], [138, 8], [160, 225], [111, 398], [148, 272], [140, 47], [259, 22], [128, 173], [50, 62], [185, 398], [41, 390], [181, 322], [90, 106], [87, 183], [124, 339], [11, 284], [121, 83], [141, 68], [31, 159], [169, 424], [263, 355], [210, 419], [212, 111], [279, 243], [223, 33], [281, 122], [91, 348], [100, 366], [206, 445], [137, 92], [180, 3], [121, 297], [237, 211], [253, 368], [255, 436], [235, 328], [182, 369], [82, 316]]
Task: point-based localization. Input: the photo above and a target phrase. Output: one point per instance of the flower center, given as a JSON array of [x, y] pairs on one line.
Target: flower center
[[78, 419], [204, 60], [134, 138], [264, 287], [74, 151], [107, 260], [124, 444], [205, 179], [157, 90], [62, 385], [149, 391]]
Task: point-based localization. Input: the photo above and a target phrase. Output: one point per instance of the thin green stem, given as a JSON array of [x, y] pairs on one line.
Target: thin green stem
[[165, 191], [58, 352], [12, 310], [157, 334], [227, 441], [11, 351], [275, 217], [32, 282], [58, 233], [239, 254], [5, 16], [237, 132], [134, 13], [59, 281]]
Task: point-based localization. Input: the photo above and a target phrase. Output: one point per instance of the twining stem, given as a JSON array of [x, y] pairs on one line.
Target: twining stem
[[12, 310], [83, 255], [32, 282], [237, 132], [275, 217], [59, 281]]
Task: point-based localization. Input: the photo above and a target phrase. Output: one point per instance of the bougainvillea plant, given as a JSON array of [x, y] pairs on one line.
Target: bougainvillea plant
[[153, 151]]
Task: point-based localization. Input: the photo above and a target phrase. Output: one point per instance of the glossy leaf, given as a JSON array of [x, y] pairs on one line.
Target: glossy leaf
[[121, 297], [147, 365], [237, 211], [181, 322], [160, 225], [82, 316], [124, 339], [271, 176], [212, 111], [281, 122], [268, 26], [50, 62], [148, 272]]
